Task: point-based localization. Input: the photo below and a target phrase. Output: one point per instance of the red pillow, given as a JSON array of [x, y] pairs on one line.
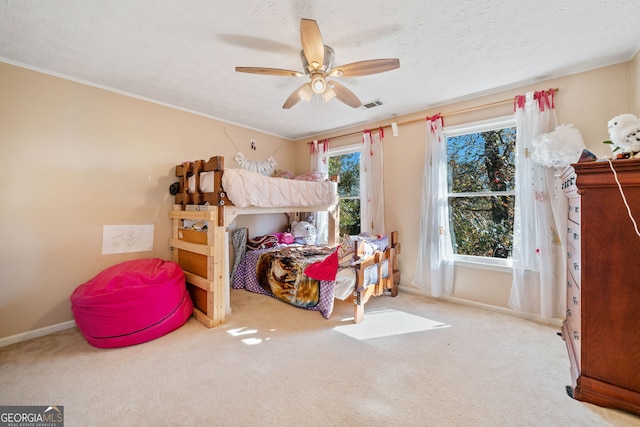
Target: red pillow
[[325, 269]]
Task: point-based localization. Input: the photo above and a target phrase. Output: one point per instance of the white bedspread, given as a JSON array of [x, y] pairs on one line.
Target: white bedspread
[[247, 188]]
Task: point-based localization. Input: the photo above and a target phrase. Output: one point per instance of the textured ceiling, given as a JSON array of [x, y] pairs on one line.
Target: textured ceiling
[[184, 52]]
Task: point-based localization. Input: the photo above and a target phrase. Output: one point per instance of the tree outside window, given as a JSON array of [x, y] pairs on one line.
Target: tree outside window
[[481, 169], [346, 164]]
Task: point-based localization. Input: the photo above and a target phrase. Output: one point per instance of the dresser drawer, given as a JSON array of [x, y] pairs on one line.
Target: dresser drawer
[[573, 234], [569, 182], [574, 313], [574, 264], [574, 209]]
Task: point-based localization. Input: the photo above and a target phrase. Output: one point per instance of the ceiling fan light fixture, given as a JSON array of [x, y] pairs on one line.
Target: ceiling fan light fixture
[[306, 93], [328, 94], [318, 83]]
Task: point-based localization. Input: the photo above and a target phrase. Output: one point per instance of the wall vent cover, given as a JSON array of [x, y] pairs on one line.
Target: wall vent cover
[[371, 104]]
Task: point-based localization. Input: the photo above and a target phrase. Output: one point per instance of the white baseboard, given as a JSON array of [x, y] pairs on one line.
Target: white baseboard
[[504, 310], [36, 333]]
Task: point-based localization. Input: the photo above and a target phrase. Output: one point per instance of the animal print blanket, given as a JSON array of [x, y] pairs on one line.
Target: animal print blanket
[[280, 273]]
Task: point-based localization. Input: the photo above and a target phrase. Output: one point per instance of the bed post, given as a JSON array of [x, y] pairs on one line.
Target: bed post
[[202, 256], [333, 234], [393, 262]]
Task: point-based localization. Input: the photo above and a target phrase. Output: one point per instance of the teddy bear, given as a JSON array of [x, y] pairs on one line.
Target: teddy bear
[[624, 131], [304, 232]]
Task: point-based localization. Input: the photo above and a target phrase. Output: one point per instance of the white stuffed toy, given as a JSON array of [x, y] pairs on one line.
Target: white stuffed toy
[[304, 233], [624, 131], [558, 148]]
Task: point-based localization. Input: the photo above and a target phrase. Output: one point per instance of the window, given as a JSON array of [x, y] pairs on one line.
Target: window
[[345, 162], [481, 192]]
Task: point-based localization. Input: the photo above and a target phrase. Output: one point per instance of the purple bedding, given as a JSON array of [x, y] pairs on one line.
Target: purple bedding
[[280, 273]]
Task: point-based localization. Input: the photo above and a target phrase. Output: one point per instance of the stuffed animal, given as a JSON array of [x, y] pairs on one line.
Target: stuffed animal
[[558, 148], [304, 232], [624, 131]]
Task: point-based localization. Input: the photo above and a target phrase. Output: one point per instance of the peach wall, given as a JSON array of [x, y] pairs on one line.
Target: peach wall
[[74, 158], [635, 84], [587, 100]]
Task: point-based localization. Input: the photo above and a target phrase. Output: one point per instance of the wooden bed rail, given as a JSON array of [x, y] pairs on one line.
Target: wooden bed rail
[[186, 170], [387, 273]]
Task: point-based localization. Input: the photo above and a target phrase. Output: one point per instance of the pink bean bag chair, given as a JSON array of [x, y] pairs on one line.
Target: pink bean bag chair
[[131, 303]]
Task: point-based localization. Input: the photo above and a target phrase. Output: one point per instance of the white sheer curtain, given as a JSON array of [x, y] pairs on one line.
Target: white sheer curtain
[[371, 183], [320, 163], [540, 211], [434, 266]]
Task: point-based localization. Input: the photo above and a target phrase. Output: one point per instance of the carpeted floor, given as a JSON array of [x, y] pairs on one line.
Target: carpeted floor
[[414, 361]]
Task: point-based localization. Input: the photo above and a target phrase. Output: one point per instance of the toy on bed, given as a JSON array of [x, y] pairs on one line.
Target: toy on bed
[[304, 232]]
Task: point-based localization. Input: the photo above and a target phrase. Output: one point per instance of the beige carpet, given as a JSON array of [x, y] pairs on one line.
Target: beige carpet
[[274, 365]]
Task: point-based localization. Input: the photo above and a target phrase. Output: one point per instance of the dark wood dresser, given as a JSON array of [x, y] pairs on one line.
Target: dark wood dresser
[[602, 326]]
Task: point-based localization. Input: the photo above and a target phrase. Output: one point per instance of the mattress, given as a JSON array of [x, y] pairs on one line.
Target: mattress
[[248, 188]]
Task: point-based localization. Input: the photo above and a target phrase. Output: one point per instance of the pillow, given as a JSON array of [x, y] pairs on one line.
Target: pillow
[[281, 173], [325, 269], [311, 176]]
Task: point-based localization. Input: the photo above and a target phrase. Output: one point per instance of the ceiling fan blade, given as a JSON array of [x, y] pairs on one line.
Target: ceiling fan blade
[[345, 95], [364, 68], [303, 92], [269, 71], [312, 44]]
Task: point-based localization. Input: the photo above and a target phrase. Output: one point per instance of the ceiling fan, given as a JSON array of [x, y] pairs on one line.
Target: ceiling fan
[[317, 62]]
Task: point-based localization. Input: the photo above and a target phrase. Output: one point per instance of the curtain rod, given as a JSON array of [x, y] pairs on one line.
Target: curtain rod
[[450, 113]]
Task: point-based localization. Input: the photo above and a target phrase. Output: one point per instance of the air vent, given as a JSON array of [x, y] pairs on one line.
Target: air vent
[[372, 104]]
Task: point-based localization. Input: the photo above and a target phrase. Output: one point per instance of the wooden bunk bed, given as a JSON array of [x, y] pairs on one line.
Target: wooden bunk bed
[[204, 254]]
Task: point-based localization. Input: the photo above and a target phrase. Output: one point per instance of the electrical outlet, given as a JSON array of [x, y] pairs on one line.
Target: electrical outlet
[[254, 144]]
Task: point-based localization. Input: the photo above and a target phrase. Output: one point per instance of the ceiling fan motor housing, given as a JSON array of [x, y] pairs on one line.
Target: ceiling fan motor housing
[[327, 63]]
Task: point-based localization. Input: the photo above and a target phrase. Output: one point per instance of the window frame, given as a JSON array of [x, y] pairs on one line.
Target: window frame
[[490, 263]]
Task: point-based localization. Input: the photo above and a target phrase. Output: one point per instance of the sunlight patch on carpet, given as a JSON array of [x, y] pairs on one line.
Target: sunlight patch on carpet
[[388, 322], [239, 332]]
